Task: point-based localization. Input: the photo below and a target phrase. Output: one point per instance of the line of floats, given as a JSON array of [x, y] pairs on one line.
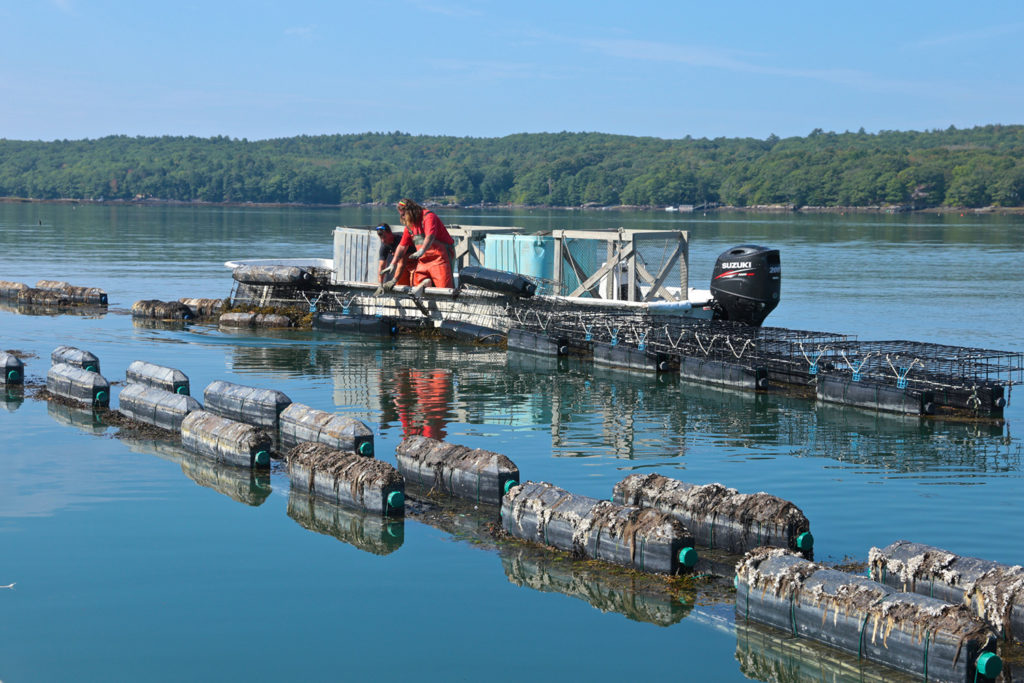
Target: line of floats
[[922, 610]]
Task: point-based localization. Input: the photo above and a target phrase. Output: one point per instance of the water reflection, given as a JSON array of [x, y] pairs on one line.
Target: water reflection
[[14, 396], [904, 444], [367, 532], [153, 324], [640, 597], [422, 386], [766, 654], [85, 419], [637, 597], [41, 310], [420, 401], [240, 484]]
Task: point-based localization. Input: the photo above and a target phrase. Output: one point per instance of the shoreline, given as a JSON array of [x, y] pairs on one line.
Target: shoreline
[[760, 208]]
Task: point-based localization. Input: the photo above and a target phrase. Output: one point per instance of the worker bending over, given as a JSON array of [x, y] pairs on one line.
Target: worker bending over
[[435, 249]]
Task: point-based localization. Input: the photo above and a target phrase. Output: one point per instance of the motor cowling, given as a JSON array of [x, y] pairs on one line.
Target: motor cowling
[[746, 284]]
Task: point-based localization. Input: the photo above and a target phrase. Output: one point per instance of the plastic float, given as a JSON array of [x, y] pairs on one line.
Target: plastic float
[[639, 538], [471, 473], [346, 478], [914, 633], [721, 517], [225, 440], [300, 423]]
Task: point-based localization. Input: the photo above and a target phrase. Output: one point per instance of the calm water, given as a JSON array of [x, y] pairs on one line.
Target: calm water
[[132, 561]]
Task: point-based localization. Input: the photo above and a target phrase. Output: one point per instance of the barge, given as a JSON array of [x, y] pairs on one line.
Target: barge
[[622, 298]]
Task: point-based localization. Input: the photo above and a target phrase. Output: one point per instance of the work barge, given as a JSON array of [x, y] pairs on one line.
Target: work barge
[[622, 299]]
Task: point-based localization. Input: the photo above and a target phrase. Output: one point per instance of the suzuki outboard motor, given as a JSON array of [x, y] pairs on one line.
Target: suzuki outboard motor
[[746, 283]]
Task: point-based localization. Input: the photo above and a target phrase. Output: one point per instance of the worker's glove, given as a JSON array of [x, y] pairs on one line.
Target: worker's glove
[[417, 254], [387, 270], [389, 285]]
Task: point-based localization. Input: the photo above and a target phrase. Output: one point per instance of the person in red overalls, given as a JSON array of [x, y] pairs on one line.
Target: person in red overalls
[[435, 248]]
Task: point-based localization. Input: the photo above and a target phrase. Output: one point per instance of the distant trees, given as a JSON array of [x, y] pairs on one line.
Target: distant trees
[[972, 168]]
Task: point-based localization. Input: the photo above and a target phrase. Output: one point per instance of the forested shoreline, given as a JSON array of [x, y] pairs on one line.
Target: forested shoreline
[[970, 168]]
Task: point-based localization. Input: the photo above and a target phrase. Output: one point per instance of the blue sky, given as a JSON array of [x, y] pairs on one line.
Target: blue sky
[[264, 69]]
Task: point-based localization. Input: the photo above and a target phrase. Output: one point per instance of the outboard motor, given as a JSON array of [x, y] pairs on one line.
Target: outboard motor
[[746, 284]]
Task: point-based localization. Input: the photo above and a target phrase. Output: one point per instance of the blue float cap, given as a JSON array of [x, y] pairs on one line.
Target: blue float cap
[[396, 500], [509, 484], [365, 448], [262, 458], [805, 541], [688, 557], [13, 376], [989, 664]]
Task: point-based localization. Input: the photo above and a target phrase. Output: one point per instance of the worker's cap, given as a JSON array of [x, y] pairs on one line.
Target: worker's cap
[[382, 227]]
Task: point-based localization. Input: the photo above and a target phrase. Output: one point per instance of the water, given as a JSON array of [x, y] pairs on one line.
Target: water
[[132, 561]]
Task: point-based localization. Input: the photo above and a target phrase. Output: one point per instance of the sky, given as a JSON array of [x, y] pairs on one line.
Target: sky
[[73, 69]]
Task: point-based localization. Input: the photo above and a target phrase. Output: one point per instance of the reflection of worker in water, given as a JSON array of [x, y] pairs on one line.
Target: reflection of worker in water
[[422, 398], [435, 248]]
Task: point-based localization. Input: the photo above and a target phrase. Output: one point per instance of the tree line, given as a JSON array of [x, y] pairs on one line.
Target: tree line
[[982, 166]]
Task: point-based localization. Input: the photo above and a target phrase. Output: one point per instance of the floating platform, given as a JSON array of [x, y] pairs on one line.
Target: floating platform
[[622, 315]]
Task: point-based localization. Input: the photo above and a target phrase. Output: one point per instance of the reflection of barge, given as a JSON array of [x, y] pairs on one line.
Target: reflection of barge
[[622, 299]]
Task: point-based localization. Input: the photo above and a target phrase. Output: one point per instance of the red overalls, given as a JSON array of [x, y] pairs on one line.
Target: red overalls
[[436, 263]]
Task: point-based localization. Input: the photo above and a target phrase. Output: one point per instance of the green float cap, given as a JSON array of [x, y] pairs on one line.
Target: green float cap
[[262, 458], [989, 664], [90, 368], [509, 484], [365, 448], [736, 581], [182, 390], [805, 541], [688, 557], [13, 376], [396, 499], [100, 397]]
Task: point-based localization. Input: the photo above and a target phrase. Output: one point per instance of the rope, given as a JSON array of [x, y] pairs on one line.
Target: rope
[[706, 351], [927, 641], [860, 364], [973, 401], [901, 377], [674, 343], [742, 350], [792, 610], [860, 638]]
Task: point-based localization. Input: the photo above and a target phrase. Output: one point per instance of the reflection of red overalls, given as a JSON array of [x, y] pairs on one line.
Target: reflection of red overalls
[[423, 396], [436, 263]]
